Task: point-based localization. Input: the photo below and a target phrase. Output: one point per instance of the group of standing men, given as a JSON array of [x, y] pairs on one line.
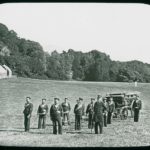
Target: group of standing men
[[99, 113]]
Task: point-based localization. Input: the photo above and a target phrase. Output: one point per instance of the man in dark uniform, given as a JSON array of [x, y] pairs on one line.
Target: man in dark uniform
[[83, 106], [111, 108], [55, 115], [78, 110], [98, 114], [137, 105], [42, 112], [28, 108], [66, 109], [105, 111], [90, 111]]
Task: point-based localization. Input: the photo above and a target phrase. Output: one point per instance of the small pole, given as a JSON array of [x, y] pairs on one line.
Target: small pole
[[135, 83]]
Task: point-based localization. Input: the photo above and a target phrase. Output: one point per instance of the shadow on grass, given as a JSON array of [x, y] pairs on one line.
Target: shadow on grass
[[17, 129], [44, 133], [30, 128], [1, 130], [30, 132], [49, 125], [79, 132]]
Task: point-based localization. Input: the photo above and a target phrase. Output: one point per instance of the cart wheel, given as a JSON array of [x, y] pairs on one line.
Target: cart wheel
[[126, 113]]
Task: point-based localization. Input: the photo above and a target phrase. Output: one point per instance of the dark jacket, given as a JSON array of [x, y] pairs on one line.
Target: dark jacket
[[55, 113], [99, 107], [137, 105], [90, 108], [66, 107], [107, 107], [42, 109], [28, 108], [79, 109], [83, 109], [111, 107]]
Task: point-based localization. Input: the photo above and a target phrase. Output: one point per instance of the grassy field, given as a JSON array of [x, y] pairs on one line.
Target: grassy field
[[119, 133]]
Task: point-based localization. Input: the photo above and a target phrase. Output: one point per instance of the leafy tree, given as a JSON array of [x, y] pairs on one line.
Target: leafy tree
[[26, 58]]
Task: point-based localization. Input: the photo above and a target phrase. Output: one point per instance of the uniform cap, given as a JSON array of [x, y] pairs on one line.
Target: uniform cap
[[28, 97], [99, 96], [80, 98], [56, 98]]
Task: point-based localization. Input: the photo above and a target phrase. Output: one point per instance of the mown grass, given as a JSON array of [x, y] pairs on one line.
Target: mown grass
[[119, 133]]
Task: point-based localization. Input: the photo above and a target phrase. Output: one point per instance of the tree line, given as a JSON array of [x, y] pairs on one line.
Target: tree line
[[27, 58]]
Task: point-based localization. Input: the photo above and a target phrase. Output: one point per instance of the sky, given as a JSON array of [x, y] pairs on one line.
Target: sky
[[120, 30]]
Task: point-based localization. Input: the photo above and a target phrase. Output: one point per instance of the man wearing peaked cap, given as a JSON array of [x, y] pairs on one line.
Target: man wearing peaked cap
[[90, 112], [105, 111], [42, 112], [78, 110], [111, 109], [28, 108], [136, 107], [83, 105], [98, 114], [55, 115], [66, 109]]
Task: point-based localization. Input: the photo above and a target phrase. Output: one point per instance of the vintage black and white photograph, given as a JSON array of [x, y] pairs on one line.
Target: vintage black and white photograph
[[74, 74]]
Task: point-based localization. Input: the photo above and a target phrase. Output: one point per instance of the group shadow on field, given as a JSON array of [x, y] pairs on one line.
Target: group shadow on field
[[48, 130]]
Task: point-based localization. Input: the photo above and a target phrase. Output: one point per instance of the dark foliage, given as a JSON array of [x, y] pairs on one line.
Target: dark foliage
[[27, 59]]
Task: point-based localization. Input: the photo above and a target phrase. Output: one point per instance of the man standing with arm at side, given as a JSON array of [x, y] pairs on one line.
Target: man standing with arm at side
[[90, 111], [78, 110], [66, 110], [137, 105], [111, 109], [98, 114], [55, 115], [42, 112], [28, 108], [105, 111]]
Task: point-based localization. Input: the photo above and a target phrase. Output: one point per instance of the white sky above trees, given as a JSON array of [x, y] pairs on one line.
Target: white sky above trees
[[120, 30]]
